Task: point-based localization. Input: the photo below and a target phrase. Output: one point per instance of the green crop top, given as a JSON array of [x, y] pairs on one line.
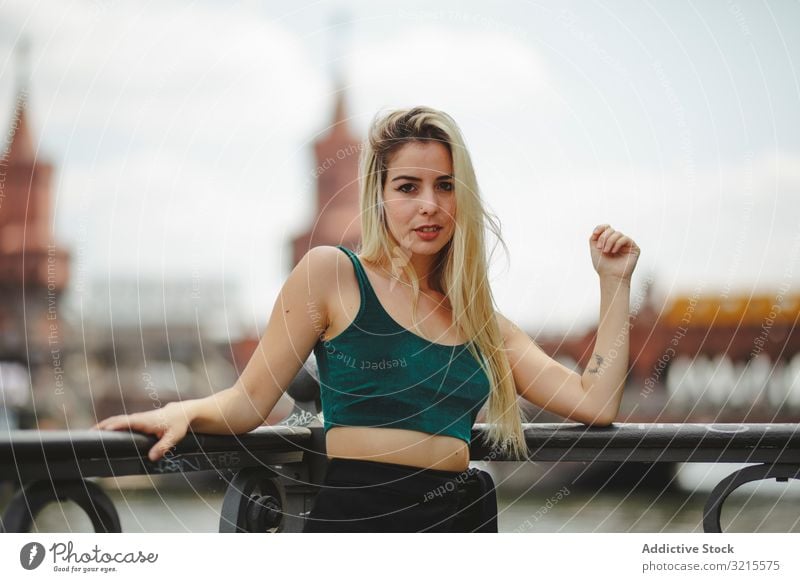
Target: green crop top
[[377, 373]]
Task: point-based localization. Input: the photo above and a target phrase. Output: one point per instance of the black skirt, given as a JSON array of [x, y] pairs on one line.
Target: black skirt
[[370, 496]]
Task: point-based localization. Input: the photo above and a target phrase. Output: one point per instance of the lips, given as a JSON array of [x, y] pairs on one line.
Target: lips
[[429, 228]]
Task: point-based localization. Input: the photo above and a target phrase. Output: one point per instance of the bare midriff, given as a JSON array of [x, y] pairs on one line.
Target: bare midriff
[[399, 446]]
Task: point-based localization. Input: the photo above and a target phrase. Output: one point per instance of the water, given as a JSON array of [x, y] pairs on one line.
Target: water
[[758, 507], [622, 513]]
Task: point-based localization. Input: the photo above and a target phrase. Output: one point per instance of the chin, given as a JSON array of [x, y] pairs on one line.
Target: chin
[[433, 247]]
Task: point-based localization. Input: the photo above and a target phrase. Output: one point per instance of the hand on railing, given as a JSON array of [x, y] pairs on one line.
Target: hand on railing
[[170, 424]]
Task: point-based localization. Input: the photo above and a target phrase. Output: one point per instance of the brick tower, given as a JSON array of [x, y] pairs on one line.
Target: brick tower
[[33, 269], [336, 220]]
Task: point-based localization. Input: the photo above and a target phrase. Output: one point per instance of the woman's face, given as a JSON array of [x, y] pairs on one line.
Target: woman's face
[[419, 191]]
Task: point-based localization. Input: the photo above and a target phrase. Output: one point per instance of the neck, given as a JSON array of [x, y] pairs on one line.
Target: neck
[[424, 266]]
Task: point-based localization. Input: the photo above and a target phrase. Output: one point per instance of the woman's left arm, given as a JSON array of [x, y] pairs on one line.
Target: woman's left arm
[[614, 257], [592, 398]]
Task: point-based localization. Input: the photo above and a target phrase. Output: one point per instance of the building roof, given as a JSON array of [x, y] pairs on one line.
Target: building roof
[[21, 150]]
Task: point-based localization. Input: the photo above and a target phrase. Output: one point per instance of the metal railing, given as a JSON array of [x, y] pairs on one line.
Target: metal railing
[[274, 473]]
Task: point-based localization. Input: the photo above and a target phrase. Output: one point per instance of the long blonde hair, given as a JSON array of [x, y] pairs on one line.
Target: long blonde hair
[[461, 272]]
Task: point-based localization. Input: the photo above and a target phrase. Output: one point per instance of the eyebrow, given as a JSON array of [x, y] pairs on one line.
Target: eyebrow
[[414, 178]]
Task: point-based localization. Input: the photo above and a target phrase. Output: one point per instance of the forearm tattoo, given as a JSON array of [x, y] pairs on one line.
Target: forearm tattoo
[[596, 369]]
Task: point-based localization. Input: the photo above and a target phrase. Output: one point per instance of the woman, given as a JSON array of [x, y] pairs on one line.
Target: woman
[[409, 346]]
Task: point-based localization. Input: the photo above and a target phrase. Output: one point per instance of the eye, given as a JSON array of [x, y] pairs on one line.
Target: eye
[[401, 188], [447, 186]]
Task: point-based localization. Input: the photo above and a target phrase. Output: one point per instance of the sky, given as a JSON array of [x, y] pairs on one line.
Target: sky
[[181, 132]]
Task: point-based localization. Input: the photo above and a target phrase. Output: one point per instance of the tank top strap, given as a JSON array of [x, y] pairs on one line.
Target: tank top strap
[[361, 274], [369, 299]]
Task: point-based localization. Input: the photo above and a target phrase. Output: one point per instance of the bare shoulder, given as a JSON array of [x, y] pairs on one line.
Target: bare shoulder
[[323, 260], [515, 339], [508, 329], [319, 269]]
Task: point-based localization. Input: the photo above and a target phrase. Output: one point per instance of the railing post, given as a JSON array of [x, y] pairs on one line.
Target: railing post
[[713, 509], [30, 500]]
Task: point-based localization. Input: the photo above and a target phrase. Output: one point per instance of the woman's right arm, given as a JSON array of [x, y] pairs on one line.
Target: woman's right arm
[[299, 316]]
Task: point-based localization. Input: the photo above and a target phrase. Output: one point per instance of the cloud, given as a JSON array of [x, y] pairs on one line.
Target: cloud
[[168, 71], [181, 133], [470, 71], [734, 231], [178, 133]]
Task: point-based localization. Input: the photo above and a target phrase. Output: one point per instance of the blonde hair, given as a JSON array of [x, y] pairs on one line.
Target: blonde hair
[[461, 272]]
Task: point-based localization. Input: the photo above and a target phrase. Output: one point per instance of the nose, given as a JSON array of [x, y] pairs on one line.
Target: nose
[[427, 202]]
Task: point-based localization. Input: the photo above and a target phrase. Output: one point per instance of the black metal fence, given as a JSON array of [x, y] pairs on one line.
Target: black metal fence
[[274, 472]]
